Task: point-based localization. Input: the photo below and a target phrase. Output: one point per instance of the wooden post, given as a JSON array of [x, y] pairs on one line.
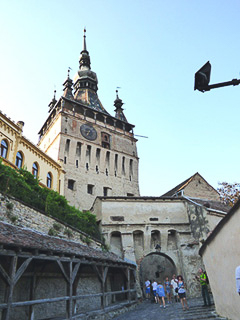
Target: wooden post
[[70, 290], [102, 278], [12, 279], [70, 278], [32, 296], [128, 284], [9, 289]]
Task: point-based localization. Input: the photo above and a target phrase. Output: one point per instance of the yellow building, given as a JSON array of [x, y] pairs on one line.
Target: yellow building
[[17, 152]]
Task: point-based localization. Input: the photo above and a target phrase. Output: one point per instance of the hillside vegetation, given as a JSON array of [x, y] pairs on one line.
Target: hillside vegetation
[[22, 185]]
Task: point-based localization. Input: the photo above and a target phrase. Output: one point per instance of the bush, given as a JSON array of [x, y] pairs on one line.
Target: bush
[[22, 185]]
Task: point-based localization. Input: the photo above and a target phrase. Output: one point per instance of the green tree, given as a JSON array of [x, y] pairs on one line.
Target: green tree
[[229, 192]]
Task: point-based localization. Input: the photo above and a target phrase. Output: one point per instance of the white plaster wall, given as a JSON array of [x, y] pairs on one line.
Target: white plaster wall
[[139, 212], [221, 257], [213, 220]]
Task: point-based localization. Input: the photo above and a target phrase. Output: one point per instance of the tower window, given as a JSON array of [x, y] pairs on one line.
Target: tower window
[[106, 191], [67, 145], [107, 158], [78, 149], [123, 165], [19, 160], [76, 163], [71, 184], [130, 169], [49, 180], [98, 152], [90, 188], [4, 149], [65, 160], [106, 140], [88, 154]]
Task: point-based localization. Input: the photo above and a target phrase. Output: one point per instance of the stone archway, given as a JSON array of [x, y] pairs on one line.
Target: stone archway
[[156, 266]]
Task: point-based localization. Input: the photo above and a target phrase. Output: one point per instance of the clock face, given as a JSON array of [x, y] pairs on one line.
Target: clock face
[[88, 132]]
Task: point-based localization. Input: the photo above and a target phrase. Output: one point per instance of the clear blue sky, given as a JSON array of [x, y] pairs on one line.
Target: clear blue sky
[[151, 49]]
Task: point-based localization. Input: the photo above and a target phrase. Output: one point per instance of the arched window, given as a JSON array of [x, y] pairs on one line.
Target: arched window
[[4, 149], [19, 160], [49, 180], [35, 169]]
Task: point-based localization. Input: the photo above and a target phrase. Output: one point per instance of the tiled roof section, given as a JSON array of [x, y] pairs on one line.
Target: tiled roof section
[[171, 192], [28, 239], [215, 205]]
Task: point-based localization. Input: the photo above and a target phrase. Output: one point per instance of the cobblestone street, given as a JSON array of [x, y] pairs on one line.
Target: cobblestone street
[[148, 310]]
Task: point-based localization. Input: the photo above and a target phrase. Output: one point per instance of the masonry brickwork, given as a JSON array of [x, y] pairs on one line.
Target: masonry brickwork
[[25, 216]]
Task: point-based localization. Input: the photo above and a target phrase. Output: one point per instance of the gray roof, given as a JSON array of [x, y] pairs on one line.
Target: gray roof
[[27, 239]]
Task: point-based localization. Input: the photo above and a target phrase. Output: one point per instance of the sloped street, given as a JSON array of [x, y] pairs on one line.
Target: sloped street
[[149, 310]]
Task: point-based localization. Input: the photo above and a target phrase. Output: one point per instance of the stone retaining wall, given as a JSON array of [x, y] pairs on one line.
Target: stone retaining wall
[[22, 215]]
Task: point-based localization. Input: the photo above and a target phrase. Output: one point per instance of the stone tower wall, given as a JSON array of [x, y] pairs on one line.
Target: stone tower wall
[[94, 170]]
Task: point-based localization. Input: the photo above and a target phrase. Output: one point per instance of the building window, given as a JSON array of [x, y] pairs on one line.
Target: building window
[[19, 160], [4, 149], [88, 154], [49, 180], [116, 164], [71, 184], [76, 163], [130, 169], [123, 165], [90, 188], [35, 170], [107, 158], [78, 149], [65, 160], [106, 140], [130, 195], [67, 145], [105, 191], [98, 152]]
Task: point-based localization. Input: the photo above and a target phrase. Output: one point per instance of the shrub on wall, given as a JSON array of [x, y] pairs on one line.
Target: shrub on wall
[[22, 185]]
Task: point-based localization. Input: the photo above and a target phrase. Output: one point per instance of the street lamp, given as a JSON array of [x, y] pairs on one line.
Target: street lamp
[[202, 79]]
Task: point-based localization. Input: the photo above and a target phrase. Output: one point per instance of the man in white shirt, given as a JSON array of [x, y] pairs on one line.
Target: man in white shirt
[[237, 274], [154, 287], [174, 285]]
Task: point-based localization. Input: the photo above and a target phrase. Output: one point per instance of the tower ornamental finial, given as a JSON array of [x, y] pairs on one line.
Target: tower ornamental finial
[[84, 61], [84, 40]]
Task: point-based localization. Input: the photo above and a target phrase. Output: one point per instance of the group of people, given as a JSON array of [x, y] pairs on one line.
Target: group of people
[[176, 288]]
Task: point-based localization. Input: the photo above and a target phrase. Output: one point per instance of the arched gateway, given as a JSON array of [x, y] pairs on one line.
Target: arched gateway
[[156, 266]]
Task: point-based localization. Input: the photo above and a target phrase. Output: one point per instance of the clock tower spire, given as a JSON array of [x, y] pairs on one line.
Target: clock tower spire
[[86, 82]]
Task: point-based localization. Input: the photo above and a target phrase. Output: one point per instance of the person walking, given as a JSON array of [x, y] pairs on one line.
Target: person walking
[[147, 288], [174, 285], [154, 288], [161, 294], [204, 287], [167, 286], [182, 292]]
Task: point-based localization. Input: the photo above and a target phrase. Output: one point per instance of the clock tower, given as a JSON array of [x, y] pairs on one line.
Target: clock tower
[[98, 151]]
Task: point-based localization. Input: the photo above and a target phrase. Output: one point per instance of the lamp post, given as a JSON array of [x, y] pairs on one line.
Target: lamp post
[[202, 79]]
